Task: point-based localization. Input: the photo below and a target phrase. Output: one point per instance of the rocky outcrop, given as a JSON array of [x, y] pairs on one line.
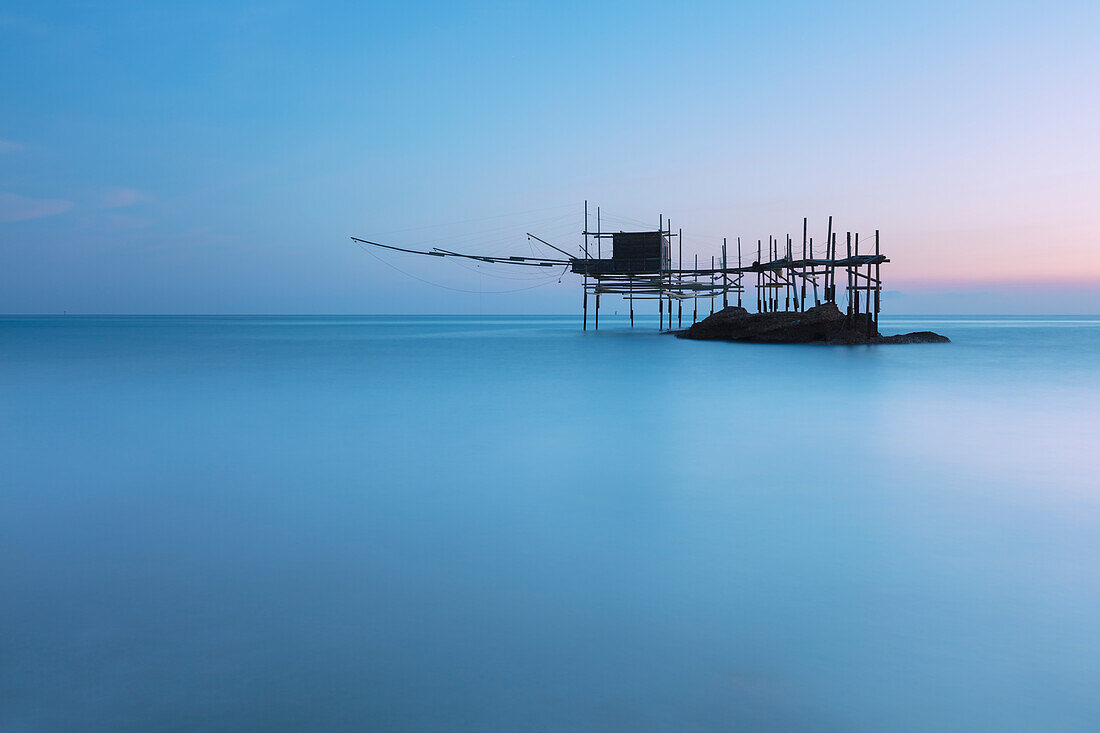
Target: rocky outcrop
[[916, 337], [822, 324]]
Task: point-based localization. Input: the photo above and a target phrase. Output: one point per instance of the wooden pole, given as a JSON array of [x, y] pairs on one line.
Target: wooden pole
[[599, 239], [759, 260], [587, 263], [832, 271], [725, 277], [832, 277], [599, 256], [665, 267], [712, 285], [813, 269], [668, 274], [805, 232], [679, 278], [790, 277], [631, 281], [829, 241], [848, 271], [769, 292], [695, 293], [878, 281], [855, 278], [661, 281], [775, 276], [739, 273]]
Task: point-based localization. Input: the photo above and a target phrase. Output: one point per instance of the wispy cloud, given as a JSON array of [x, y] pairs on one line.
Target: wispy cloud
[[14, 207], [118, 197], [118, 222], [9, 146]]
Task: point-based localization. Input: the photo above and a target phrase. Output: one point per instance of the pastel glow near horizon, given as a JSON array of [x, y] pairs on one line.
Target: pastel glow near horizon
[[216, 157]]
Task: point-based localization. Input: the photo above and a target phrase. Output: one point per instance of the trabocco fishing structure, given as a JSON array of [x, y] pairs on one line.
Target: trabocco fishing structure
[[641, 268]]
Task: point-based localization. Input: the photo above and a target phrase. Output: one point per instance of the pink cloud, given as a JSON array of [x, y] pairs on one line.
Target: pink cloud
[[14, 207]]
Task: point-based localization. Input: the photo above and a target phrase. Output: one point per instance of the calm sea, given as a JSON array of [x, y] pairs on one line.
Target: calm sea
[[505, 524]]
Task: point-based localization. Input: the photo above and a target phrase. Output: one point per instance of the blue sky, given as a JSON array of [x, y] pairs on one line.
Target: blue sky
[[215, 157]]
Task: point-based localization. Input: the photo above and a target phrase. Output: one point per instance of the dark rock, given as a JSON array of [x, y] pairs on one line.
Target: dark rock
[[822, 324], [917, 337]]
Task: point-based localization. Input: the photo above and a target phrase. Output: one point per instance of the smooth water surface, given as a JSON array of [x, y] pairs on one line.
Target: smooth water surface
[[507, 524]]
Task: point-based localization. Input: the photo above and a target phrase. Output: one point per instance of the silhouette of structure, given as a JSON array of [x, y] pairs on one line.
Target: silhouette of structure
[[641, 268]]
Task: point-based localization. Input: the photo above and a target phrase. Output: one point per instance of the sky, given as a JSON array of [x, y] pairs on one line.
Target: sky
[[216, 157]]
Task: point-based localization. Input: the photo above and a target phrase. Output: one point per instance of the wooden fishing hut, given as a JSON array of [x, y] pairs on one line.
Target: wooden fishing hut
[[641, 266]]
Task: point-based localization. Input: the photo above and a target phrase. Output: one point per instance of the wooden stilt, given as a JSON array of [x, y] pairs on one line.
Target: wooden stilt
[[680, 301], [878, 280], [631, 298], [725, 277], [712, 285], [695, 294], [790, 278], [599, 239], [813, 269], [739, 274], [587, 264], [661, 282], [759, 288], [832, 269], [848, 271], [769, 281], [668, 276], [775, 275], [805, 225], [855, 279]]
